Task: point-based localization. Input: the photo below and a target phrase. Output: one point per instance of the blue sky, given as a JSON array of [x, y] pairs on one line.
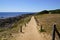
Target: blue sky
[[28, 5]]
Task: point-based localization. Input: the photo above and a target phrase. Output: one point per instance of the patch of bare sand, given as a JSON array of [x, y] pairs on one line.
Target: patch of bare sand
[[30, 32]]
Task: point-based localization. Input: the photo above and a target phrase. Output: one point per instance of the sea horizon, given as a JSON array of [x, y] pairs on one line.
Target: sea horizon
[[12, 14]]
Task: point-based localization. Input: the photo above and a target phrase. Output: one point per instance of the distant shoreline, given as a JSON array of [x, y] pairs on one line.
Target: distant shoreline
[[12, 14]]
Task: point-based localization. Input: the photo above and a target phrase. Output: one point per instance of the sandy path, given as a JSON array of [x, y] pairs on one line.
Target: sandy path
[[30, 32]]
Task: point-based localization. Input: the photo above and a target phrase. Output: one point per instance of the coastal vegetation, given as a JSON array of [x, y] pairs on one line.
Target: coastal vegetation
[[46, 18]]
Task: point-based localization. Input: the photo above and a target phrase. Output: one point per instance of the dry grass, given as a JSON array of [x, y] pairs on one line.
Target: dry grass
[[47, 21]]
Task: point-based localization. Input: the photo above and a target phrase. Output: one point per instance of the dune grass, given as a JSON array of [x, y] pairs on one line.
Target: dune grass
[[6, 33]]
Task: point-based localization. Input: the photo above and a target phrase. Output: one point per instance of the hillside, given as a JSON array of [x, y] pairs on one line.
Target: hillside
[[47, 21], [4, 22], [31, 28], [56, 11], [11, 26]]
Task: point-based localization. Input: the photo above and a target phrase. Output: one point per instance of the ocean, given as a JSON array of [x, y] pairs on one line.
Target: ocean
[[11, 14]]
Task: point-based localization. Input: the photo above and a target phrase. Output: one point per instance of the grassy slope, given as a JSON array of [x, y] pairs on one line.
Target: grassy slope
[[47, 21], [6, 33]]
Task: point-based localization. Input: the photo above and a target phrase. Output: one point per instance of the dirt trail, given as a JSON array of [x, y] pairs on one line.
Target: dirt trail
[[30, 32]]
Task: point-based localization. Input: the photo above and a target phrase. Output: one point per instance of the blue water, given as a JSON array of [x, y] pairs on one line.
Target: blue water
[[11, 14]]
